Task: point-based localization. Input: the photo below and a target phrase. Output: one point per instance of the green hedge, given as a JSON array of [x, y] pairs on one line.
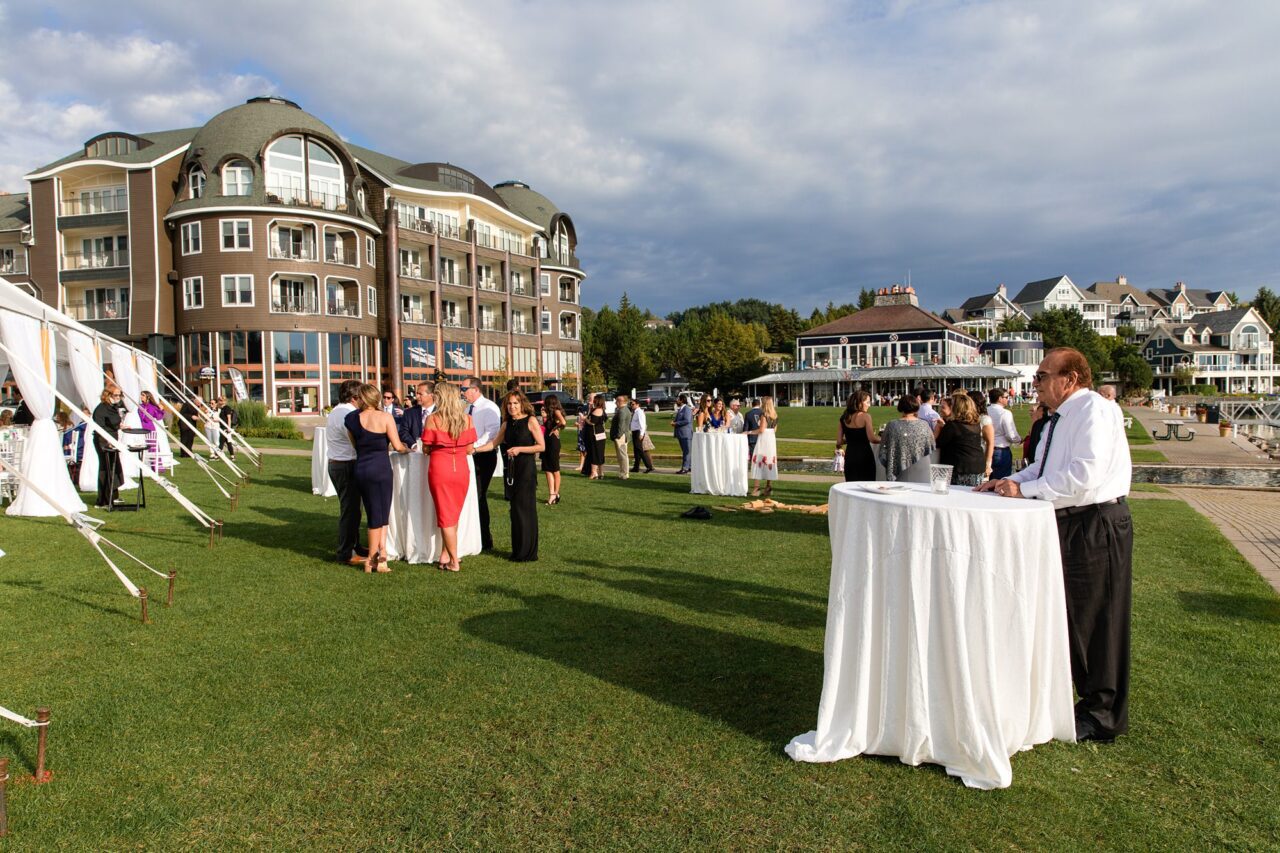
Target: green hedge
[[1198, 390], [256, 423]]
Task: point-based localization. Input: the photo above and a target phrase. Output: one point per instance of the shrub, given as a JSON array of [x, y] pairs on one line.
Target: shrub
[[1197, 390], [256, 423]]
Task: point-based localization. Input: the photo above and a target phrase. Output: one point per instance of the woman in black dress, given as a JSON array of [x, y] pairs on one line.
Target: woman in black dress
[[960, 443], [856, 435], [521, 440], [108, 416], [552, 423], [371, 430], [594, 426]]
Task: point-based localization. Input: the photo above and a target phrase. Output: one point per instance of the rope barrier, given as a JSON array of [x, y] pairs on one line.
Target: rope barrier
[[21, 720]]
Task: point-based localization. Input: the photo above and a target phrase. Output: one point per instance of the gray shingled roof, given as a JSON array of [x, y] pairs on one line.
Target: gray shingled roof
[[1197, 297], [977, 303], [1220, 322], [15, 212], [526, 202], [162, 142], [1036, 291], [1114, 292], [883, 318]]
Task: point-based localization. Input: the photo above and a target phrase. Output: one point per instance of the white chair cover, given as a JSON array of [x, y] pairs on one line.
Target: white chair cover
[[42, 458]]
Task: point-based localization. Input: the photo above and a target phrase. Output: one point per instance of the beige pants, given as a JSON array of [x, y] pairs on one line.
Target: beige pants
[[624, 461]]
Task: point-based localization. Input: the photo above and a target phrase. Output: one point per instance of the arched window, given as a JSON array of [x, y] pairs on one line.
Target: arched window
[[1250, 337], [195, 180], [561, 243], [327, 184], [290, 174], [237, 178]]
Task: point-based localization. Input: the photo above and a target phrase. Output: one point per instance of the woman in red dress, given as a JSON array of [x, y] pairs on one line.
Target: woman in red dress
[[449, 437]]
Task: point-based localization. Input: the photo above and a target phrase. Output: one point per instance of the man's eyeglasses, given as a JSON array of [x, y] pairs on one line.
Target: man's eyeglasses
[[1040, 376], [387, 397]]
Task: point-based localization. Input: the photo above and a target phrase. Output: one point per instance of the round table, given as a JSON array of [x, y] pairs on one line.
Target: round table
[[946, 631], [718, 463]]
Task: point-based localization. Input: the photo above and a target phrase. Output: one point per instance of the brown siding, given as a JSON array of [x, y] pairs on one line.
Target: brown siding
[[43, 256], [142, 255], [166, 174]]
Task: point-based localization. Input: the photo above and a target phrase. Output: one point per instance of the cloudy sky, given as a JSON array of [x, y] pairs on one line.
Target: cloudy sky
[[793, 151]]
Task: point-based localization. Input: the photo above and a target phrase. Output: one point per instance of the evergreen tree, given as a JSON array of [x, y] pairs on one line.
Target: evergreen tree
[[632, 355], [1068, 328], [866, 298], [726, 354]]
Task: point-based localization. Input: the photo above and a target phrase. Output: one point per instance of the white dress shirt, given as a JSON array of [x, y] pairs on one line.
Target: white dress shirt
[[638, 422], [1002, 422], [928, 414], [337, 441], [486, 417], [736, 422], [1086, 461]]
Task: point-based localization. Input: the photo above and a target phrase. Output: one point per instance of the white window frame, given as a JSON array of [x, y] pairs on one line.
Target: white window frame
[[190, 230], [577, 326], [189, 304], [196, 182], [252, 292], [373, 301], [371, 251], [544, 283], [242, 168], [450, 264], [222, 223], [546, 323]]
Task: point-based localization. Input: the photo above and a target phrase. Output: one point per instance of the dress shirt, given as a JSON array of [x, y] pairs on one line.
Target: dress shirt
[[1002, 422], [736, 422], [1085, 458], [335, 434], [638, 423], [928, 415], [486, 417]]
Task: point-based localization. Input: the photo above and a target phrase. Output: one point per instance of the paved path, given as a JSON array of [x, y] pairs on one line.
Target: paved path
[[1206, 449], [1249, 518]]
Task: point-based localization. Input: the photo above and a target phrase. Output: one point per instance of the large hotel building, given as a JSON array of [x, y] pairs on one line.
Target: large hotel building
[[263, 242]]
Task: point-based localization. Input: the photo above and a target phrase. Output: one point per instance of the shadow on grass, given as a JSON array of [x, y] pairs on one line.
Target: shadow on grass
[[765, 690], [1233, 606], [42, 589], [712, 595], [774, 522]]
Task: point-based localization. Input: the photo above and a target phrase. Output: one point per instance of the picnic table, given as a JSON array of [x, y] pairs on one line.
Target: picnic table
[[1175, 429]]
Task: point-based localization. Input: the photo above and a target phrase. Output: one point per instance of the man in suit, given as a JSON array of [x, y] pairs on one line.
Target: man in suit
[[424, 403], [228, 419], [682, 426], [186, 434], [620, 432], [486, 417], [751, 425]]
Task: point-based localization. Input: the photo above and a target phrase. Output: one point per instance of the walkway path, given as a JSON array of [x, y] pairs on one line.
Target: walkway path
[[1206, 449], [1248, 518]]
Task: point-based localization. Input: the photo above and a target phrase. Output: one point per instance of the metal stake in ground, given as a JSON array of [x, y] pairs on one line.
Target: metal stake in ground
[[142, 595], [173, 573], [42, 745], [4, 808]]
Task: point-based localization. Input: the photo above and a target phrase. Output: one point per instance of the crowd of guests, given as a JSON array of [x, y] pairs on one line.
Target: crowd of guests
[[972, 431]]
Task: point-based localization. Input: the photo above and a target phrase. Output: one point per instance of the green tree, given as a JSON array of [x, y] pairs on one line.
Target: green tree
[[632, 349], [1068, 328], [866, 298], [1015, 323], [726, 355], [1132, 370], [784, 326], [1267, 304]]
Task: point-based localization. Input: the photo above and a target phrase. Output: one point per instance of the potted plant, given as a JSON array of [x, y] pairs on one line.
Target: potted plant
[[1202, 414], [1224, 428]]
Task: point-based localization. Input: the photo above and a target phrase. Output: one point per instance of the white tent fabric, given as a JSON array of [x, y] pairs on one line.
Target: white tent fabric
[[43, 455], [126, 374], [85, 368]]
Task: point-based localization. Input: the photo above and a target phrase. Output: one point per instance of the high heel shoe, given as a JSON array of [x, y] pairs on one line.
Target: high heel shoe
[[382, 567]]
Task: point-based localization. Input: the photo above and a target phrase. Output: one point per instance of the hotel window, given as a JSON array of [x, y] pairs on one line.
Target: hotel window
[[294, 242], [517, 283], [243, 351], [484, 277], [191, 238], [237, 290], [195, 181], [370, 249], [193, 292], [544, 282], [286, 172], [295, 296], [237, 178], [373, 302], [410, 263], [327, 185], [449, 313], [546, 322], [107, 200], [236, 236], [511, 242], [411, 308], [448, 271], [446, 224], [484, 234]]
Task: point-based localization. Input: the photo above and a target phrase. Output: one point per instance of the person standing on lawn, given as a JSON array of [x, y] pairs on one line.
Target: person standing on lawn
[[682, 428], [620, 433], [1006, 434], [751, 425], [639, 431], [228, 419], [342, 470], [486, 418], [1084, 468]]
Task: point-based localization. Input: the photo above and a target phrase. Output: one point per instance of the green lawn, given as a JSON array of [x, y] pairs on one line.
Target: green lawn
[[632, 690]]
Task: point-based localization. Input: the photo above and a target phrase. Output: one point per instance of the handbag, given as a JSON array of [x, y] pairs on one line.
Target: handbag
[[600, 436], [837, 463], [646, 443]]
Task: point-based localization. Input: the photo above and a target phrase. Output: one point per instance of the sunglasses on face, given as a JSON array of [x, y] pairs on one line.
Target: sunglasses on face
[[1040, 376]]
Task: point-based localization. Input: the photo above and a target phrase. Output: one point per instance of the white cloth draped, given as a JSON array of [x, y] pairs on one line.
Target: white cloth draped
[[719, 463], [126, 376], [946, 632], [320, 482], [42, 459], [412, 534], [86, 376]]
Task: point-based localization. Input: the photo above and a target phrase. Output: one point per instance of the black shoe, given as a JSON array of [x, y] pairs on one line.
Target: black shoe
[[1087, 730], [362, 552], [648, 470]]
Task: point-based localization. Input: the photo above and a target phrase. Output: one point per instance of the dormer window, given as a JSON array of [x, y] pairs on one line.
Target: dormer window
[[195, 180], [237, 178], [111, 146]]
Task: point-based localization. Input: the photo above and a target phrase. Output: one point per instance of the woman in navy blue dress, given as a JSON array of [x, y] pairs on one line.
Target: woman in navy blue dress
[[372, 430]]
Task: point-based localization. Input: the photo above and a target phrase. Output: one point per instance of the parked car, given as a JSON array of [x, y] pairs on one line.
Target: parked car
[[656, 400], [570, 403]]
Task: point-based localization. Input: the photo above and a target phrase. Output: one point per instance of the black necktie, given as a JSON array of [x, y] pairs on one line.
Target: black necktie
[[1048, 441]]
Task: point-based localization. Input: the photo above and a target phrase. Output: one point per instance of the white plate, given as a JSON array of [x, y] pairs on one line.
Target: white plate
[[882, 488]]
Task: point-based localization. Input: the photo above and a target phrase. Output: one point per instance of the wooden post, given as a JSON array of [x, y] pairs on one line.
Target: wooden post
[[142, 595], [42, 745], [4, 808], [173, 573], [212, 525], [219, 530]]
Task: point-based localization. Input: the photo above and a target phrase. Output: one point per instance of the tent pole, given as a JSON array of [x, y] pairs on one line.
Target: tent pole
[[42, 743], [142, 596], [173, 573], [4, 809]]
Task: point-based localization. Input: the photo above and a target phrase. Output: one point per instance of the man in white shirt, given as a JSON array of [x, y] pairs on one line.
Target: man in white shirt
[[1083, 467], [639, 428], [1006, 434], [486, 417], [342, 469], [927, 413], [736, 422]]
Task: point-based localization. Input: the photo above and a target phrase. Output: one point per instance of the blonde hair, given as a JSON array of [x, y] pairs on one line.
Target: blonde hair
[[449, 413], [368, 396], [963, 408], [767, 409]]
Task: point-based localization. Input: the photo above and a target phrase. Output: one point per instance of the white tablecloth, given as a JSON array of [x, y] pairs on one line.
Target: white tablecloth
[[719, 463], [412, 535], [946, 632], [320, 482]]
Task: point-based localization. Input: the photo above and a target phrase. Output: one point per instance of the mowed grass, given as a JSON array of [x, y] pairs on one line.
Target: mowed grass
[[633, 689]]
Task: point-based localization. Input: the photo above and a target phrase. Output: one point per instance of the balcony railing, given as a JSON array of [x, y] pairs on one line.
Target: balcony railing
[[291, 253], [13, 266], [98, 310], [411, 270], [95, 260], [117, 203], [489, 241], [490, 284], [521, 290], [459, 279], [492, 324], [568, 334], [522, 328], [299, 197], [566, 295], [343, 309], [420, 317], [448, 229], [409, 219], [339, 255], [289, 305], [455, 323]]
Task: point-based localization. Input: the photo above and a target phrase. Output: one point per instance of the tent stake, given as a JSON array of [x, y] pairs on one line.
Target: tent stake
[[42, 743], [4, 809], [142, 594], [173, 573]]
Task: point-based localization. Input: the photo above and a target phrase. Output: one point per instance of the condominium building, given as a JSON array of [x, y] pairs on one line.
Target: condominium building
[[1229, 349], [264, 242]]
